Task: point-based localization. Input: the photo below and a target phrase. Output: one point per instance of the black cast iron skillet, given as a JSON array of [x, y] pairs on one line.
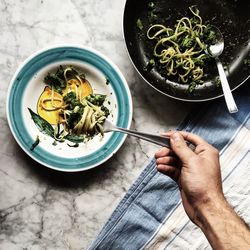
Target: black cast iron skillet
[[232, 17]]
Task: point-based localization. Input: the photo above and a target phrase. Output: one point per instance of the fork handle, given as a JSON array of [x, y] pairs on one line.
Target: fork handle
[[156, 139]]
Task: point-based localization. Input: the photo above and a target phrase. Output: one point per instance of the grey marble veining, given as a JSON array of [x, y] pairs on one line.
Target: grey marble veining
[[45, 209]]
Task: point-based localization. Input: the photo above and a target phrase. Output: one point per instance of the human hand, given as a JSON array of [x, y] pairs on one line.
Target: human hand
[[196, 172]]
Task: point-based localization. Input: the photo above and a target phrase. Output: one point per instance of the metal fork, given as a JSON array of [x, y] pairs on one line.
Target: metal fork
[[156, 139]]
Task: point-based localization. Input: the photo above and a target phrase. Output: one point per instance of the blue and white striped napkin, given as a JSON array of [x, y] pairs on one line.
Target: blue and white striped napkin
[[151, 215]]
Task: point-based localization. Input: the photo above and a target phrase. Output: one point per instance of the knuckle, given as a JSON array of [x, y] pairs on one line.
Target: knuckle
[[215, 151], [179, 145], [158, 161], [200, 148]]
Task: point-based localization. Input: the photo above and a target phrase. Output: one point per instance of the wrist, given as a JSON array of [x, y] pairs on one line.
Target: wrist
[[223, 228], [209, 209]]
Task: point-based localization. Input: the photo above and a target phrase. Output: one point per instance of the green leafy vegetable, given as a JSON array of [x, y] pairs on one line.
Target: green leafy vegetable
[[76, 145], [96, 99], [56, 80], [71, 101], [75, 107], [209, 35], [75, 138], [42, 124], [200, 61], [105, 110], [188, 42]]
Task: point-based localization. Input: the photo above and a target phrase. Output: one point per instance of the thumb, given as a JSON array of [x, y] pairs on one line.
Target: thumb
[[180, 148]]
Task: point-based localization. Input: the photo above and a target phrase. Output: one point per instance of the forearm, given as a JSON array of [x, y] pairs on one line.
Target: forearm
[[223, 228]]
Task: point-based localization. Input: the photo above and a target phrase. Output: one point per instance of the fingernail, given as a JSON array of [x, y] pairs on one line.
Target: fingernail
[[176, 137]]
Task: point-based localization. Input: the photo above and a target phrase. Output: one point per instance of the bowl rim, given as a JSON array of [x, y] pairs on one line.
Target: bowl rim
[[99, 54]]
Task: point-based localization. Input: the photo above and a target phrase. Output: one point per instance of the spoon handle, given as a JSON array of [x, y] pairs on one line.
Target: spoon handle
[[231, 105]]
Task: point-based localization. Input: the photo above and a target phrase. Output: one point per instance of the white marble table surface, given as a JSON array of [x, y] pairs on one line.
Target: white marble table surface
[[45, 209]]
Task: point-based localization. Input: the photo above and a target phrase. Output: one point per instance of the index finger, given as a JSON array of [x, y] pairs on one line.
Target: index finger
[[163, 152], [194, 139]]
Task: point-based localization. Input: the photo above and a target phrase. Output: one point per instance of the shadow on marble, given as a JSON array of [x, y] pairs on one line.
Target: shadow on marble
[[150, 106]]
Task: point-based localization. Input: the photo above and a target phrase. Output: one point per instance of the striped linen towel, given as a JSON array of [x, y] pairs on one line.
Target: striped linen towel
[[151, 215]]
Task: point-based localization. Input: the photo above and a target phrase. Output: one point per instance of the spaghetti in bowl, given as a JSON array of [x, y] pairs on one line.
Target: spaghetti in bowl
[[23, 102]]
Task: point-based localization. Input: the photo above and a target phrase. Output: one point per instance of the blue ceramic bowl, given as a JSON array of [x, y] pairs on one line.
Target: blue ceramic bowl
[[26, 87]]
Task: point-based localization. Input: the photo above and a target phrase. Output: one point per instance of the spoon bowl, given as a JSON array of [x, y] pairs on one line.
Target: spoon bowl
[[216, 49]]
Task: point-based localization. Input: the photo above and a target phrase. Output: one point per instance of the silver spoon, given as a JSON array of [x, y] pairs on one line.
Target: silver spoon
[[156, 139], [215, 51]]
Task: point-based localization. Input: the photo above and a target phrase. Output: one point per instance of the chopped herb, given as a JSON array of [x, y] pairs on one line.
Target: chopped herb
[[54, 143], [152, 17], [200, 61], [75, 106], [35, 143], [107, 81], [226, 67], [139, 24], [106, 110], [151, 5], [209, 35], [96, 99], [188, 42], [217, 81], [76, 145], [71, 100], [152, 62], [247, 62], [150, 65], [191, 87]]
